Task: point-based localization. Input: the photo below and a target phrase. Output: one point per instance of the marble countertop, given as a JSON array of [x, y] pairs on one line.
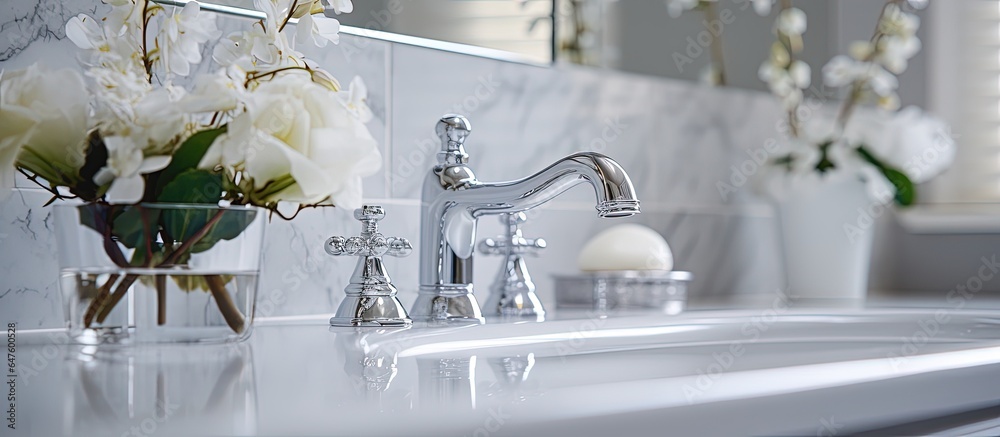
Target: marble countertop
[[298, 376]]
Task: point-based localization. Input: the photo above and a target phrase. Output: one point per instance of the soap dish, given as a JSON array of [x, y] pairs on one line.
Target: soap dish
[[623, 290]]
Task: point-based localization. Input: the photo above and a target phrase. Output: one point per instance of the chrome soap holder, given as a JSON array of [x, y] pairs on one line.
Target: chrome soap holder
[[371, 298]]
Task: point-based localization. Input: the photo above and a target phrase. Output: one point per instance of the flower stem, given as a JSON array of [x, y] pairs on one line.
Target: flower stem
[[291, 10], [161, 299], [130, 279], [147, 64], [718, 60], [184, 247], [99, 301], [232, 314], [116, 297], [857, 87], [793, 113]]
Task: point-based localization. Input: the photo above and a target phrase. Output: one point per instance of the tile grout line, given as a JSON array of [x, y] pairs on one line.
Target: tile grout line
[[389, 119]]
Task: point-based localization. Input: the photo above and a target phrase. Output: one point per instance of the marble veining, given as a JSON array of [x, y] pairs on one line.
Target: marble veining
[[676, 139], [25, 22]]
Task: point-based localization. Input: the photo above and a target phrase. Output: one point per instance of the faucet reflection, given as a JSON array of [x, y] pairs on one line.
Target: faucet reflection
[[453, 200]]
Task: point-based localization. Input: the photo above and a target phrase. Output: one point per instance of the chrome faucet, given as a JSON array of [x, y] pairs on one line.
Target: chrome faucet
[[453, 200]]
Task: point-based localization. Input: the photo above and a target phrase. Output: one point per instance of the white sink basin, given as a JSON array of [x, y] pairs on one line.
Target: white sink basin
[[707, 373]]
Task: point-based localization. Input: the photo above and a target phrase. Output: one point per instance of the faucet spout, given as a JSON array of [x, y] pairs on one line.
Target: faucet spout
[[612, 187], [453, 199]]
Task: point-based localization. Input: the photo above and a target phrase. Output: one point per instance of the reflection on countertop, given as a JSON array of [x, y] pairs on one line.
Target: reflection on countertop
[[301, 377]]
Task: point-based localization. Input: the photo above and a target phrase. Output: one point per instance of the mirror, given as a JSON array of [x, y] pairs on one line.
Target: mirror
[[519, 31], [681, 39]]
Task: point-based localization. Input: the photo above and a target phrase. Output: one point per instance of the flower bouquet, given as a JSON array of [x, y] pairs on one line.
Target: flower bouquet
[[835, 174], [173, 168]]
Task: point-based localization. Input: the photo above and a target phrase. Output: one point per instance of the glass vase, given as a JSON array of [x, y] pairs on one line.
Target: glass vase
[[159, 273]]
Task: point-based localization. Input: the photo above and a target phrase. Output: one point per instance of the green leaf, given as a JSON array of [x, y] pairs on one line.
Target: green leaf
[[136, 225], [825, 164], [230, 225], [191, 186], [906, 192], [200, 187], [187, 157]]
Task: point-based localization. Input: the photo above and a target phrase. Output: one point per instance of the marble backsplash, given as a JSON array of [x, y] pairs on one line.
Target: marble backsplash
[[676, 139]]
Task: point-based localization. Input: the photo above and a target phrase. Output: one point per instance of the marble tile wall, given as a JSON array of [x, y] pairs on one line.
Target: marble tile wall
[[676, 139]]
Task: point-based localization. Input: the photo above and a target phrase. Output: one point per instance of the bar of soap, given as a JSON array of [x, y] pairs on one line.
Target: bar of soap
[[627, 246]]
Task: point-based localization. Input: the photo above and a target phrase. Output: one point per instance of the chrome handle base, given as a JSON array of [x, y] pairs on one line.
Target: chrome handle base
[[513, 293], [371, 298]]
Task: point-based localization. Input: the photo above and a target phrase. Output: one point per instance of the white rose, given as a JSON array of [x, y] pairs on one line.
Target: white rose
[[298, 142], [44, 128]]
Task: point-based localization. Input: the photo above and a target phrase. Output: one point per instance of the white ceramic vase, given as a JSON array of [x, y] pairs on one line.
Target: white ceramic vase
[[827, 233]]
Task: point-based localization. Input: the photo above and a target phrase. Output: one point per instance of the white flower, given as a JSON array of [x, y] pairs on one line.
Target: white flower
[[115, 96], [307, 7], [677, 7], [861, 50], [842, 70], [124, 169], [777, 78], [356, 99], [317, 30], [86, 33], [219, 92], [181, 37], [16, 130], [326, 79], [298, 143], [882, 82], [800, 74], [786, 84], [125, 14], [234, 49], [44, 122], [259, 48], [109, 45], [895, 52], [897, 22], [791, 21], [919, 145], [341, 6], [762, 7], [158, 122], [839, 71]]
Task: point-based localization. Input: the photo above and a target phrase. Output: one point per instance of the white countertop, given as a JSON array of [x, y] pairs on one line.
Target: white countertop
[[582, 374]]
